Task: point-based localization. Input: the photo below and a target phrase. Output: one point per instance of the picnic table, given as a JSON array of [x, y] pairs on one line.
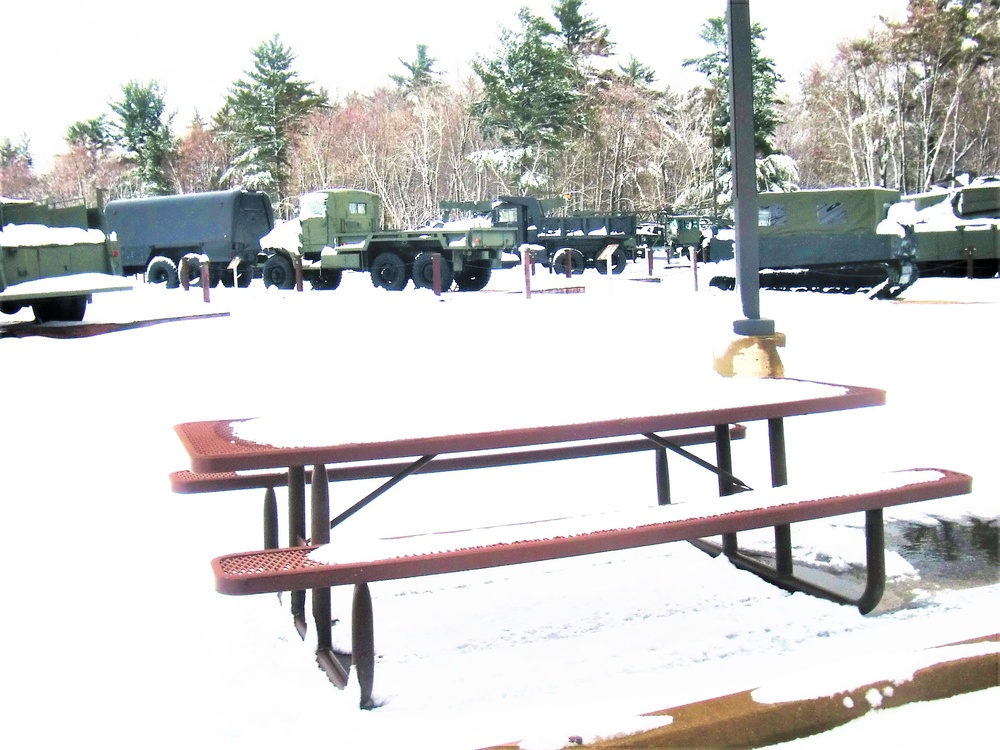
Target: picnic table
[[474, 439]]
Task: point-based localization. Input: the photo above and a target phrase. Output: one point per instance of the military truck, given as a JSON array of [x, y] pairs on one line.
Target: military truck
[[54, 258], [338, 230], [225, 225], [569, 244]]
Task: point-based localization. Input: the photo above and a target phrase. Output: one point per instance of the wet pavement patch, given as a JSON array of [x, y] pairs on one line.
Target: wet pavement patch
[[947, 553]]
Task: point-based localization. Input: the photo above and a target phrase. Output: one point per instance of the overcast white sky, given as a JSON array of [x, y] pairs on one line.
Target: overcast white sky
[[65, 62]]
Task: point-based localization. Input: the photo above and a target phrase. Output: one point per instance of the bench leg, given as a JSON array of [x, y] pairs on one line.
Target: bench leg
[[724, 460], [662, 476], [363, 642], [270, 519], [297, 536], [779, 478], [319, 528]]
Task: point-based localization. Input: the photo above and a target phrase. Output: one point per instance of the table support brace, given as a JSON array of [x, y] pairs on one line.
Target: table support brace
[[874, 568]]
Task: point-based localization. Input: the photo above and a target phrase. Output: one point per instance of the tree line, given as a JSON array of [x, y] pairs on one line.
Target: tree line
[[555, 111]]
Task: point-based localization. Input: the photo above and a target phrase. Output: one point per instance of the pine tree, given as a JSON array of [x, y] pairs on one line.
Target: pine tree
[[775, 171], [92, 136], [143, 133], [262, 114], [421, 73], [530, 100]]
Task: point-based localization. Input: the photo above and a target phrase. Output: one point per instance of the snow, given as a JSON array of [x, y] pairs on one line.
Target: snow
[[149, 655], [38, 235], [285, 235], [75, 283]]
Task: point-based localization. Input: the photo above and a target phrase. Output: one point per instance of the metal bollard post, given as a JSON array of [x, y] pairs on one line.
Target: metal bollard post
[[649, 259], [436, 273], [970, 262], [693, 252], [183, 271], [298, 273]]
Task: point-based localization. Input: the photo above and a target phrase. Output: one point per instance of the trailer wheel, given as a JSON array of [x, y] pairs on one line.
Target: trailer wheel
[[278, 272], [618, 262], [327, 280], [570, 256], [193, 271], [423, 272], [162, 270], [389, 272], [474, 276], [60, 308]]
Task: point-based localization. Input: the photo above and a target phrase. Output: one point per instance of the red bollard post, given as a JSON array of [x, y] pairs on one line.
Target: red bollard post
[[528, 260], [205, 286], [436, 273], [183, 272]]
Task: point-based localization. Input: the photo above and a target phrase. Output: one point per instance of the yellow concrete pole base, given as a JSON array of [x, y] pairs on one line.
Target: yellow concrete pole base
[[752, 356]]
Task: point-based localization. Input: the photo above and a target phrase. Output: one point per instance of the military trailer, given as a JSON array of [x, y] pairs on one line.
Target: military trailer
[[338, 230], [55, 270], [225, 226], [569, 244]]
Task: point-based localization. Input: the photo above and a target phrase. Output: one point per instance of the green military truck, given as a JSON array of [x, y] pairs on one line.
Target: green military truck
[[53, 259], [338, 230]]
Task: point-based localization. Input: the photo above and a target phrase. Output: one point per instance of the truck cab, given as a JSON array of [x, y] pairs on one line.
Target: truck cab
[[335, 217]]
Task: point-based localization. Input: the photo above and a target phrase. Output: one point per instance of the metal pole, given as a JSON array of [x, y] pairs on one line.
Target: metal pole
[[744, 170]]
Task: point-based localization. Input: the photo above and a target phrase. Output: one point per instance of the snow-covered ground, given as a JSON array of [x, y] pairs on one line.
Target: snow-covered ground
[[150, 656]]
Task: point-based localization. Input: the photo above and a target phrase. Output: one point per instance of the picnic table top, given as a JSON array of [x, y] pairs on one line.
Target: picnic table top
[[318, 432]]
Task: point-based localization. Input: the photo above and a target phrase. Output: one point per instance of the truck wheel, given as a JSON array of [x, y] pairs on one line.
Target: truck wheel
[[389, 272], [474, 276], [162, 270], [60, 308], [423, 272], [327, 279], [570, 256], [618, 262], [278, 272], [221, 274]]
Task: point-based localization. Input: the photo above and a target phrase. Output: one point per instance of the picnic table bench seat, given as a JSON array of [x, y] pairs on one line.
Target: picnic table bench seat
[[348, 560]]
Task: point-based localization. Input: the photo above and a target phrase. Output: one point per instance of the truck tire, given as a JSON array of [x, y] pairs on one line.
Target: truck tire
[[219, 273], [278, 272], [474, 276], [389, 272], [423, 272], [60, 308], [568, 255], [618, 262], [162, 270], [327, 280], [193, 272]]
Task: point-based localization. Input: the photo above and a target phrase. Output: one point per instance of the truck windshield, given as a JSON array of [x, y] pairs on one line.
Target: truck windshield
[[312, 206]]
